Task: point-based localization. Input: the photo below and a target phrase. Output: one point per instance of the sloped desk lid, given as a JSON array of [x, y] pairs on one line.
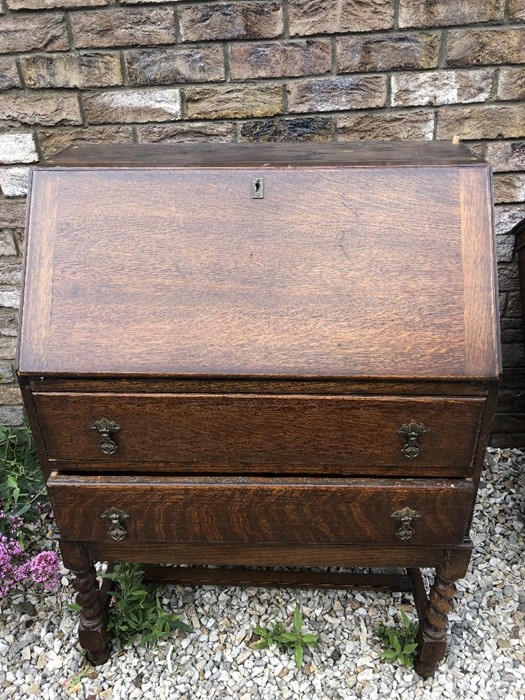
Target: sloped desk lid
[[358, 262]]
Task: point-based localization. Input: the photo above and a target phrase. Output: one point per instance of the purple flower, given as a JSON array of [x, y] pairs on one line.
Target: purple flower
[[44, 568]]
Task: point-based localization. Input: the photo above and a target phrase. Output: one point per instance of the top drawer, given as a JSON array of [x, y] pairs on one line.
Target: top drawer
[[263, 433]]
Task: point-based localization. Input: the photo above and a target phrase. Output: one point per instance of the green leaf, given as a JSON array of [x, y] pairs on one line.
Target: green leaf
[[309, 638], [297, 620], [410, 648], [298, 655], [73, 607], [389, 655], [396, 644]]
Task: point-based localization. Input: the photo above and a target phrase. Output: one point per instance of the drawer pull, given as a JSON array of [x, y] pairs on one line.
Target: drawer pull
[[105, 428], [412, 432], [118, 517], [406, 517]]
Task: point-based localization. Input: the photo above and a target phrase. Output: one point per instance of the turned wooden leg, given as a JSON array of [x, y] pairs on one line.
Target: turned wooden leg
[[92, 632], [432, 635]]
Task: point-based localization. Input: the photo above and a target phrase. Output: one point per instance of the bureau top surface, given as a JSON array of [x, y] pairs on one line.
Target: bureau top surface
[[389, 154], [385, 271]]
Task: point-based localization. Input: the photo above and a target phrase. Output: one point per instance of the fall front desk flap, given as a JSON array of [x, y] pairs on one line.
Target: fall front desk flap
[[330, 261]]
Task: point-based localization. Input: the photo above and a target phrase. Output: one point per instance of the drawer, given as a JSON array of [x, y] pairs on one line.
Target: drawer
[[352, 434], [261, 510]]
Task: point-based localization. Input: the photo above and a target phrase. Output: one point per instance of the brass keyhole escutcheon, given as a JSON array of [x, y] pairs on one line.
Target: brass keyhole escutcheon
[[106, 428], [412, 433]]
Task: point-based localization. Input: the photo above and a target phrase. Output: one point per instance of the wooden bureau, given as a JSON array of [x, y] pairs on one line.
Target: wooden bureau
[[261, 356]]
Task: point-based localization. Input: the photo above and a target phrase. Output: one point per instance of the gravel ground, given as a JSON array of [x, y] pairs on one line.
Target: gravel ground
[[39, 655]]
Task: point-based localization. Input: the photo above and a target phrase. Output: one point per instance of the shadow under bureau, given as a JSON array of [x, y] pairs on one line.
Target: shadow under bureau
[[262, 355]]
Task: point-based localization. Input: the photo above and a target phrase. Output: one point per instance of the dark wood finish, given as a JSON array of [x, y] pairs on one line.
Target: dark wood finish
[[253, 430], [92, 630], [272, 555], [242, 509], [389, 154], [193, 576], [259, 356]]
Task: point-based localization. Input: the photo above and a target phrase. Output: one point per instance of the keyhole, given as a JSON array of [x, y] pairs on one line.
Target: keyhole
[[257, 188]]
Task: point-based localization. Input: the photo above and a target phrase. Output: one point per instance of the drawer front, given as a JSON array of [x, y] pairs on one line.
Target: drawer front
[[261, 510], [263, 432]]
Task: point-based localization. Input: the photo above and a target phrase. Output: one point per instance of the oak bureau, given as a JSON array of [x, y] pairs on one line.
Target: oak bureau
[[260, 356]]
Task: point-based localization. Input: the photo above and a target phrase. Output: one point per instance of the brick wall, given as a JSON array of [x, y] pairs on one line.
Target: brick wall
[[152, 71]]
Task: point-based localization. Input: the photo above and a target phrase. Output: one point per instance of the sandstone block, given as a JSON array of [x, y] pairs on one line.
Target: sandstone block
[[337, 16], [466, 47], [508, 279], [298, 129], [86, 70], [10, 274], [230, 101], [507, 216], [123, 27], [386, 126], [55, 140], [17, 148], [10, 395], [511, 84], [10, 298], [42, 107], [509, 188], [52, 4], [331, 94], [11, 415], [364, 54], [128, 106], [12, 213], [7, 244], [7, 374], [8, 74], [506, 156], [438, 13], [278, 59], [13, 181], [7, 348], [505, 248], [483, 122], [517, 10], [8, 329], [230, 20], [30, 32], [209, 132], [180, 65], [441, 87]]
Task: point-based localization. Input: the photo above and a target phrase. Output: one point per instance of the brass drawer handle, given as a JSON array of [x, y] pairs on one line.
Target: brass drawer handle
[[412, 432], [105, 428], [117, 517], [406, 518]]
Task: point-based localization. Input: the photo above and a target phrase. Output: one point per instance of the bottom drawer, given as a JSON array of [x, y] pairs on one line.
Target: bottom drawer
[[261, 510]]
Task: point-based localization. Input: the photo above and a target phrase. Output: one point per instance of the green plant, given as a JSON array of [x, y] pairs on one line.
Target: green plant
[[21, 482], [399, 642], [295, 639], [137, 610]]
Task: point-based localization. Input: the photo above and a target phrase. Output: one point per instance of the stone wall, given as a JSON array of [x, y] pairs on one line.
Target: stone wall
[[152, 71]]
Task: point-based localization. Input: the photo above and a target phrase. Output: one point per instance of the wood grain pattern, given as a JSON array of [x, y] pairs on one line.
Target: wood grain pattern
[[244, 510], [175, 385], [388, 154], [481, 305], [302, 291], [257, 554], [252, 430]]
